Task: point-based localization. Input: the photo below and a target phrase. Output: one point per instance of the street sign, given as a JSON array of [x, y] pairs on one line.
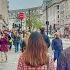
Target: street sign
[[47, 23], [21, 16]]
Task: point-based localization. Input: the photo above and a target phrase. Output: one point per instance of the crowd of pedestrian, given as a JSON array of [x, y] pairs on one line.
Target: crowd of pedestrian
[[36, 56], [9, 38], [34, 50]]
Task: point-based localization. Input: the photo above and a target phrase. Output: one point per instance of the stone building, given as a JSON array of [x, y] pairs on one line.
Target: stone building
[[3, 13], [57, 13]]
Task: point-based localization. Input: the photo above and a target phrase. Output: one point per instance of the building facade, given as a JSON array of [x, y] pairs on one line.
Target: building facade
[[5, 8], [3, 13], [58, 13]]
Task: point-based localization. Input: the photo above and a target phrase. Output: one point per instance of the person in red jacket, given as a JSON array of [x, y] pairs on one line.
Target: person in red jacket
[[4, 45]]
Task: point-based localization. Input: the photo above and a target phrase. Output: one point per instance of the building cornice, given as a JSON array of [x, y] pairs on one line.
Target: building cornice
[[56, 3], [50, 4]]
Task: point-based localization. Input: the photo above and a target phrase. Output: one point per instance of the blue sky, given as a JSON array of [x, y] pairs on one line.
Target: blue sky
[[22, 4]]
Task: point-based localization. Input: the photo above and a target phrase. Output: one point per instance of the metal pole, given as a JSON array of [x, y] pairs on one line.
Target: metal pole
[[47, 23], [46, 14], [21, 25], [29, 21], [29, 14], [47, 29]]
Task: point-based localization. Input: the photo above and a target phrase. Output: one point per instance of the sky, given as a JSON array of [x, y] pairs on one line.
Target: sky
[[23, 4]]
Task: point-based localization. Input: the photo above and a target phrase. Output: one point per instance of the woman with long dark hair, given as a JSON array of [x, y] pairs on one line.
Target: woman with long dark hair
[[35, 56]]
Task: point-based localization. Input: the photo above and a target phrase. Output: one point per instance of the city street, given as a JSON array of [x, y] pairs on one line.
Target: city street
[[12, 62], [20, 18]]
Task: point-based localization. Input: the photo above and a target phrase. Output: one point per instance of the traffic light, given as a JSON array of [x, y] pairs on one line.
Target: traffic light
[[54, 26], [13, 25], [47, 22], [16, 25], [19, 25]]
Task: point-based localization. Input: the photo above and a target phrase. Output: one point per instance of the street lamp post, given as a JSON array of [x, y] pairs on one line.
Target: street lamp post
[[21, 24], [46, 13], [47, 22], [29, 21]]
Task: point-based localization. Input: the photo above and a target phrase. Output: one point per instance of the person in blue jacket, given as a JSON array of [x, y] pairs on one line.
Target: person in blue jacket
[[57, 46]]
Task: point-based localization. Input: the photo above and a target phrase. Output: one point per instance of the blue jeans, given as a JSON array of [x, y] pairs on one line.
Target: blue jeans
[[16, 44], [56, 55]]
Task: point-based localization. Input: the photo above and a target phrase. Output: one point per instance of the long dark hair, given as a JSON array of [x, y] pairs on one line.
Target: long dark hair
[[36, 51]]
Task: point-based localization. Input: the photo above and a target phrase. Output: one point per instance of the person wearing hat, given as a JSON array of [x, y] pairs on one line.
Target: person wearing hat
[[57, 46]]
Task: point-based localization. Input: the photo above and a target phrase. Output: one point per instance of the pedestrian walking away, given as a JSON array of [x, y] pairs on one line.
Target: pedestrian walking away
[[57, 46]]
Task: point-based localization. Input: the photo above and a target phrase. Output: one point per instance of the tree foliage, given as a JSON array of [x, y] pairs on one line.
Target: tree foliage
[[34, 21]]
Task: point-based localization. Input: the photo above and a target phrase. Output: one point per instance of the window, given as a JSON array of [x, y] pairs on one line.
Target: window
[[58, 11], [57, 6], [58, 21], [58, 16]]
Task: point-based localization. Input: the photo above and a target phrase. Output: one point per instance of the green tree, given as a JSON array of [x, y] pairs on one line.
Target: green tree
[[34, 21], [38, 24]]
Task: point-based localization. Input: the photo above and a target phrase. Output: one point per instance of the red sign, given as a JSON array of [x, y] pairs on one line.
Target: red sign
[[21, 16]]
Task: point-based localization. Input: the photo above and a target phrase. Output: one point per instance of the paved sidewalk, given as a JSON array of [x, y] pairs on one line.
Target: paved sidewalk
[[12, 62]]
